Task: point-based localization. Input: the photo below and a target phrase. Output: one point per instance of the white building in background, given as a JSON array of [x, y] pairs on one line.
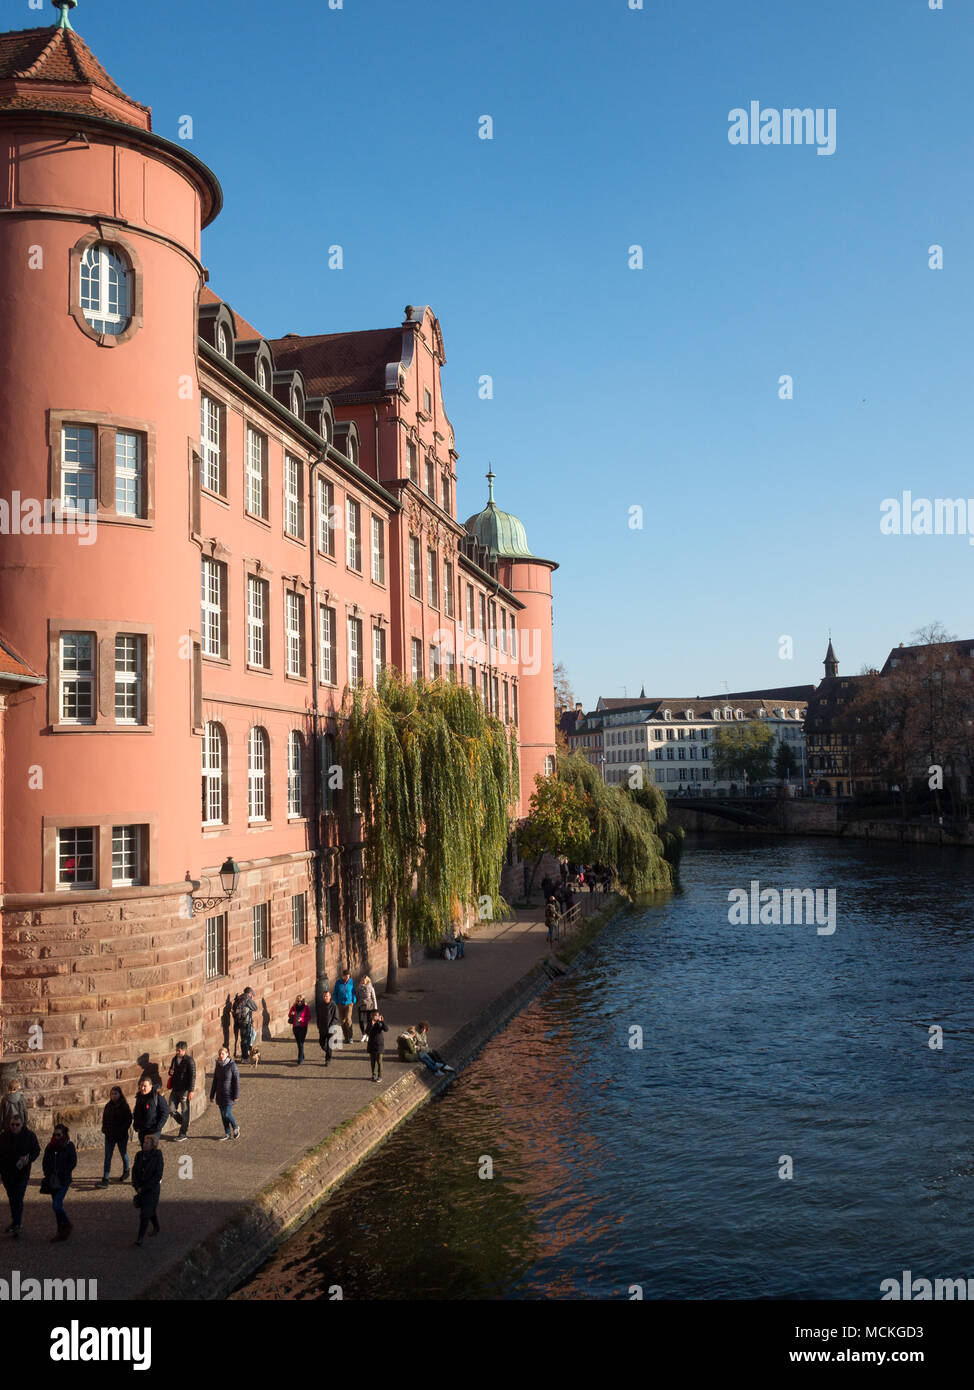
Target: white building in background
[[668, 743]]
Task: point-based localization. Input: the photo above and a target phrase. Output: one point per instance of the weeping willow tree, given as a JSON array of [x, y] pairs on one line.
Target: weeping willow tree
[[626, 829], [437, 780]]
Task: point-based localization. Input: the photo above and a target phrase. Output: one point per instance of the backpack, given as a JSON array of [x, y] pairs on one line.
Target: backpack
[[241, 1013]]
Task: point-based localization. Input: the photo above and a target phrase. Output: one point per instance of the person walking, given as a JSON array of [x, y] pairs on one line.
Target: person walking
[[367, 1004], [299, 1016], [59, 1162], [13, 1103], [345, 998], [551, 918], [182, 1081], [116, 1120], [150, 1111], [328, 1024], [377, 1026], [147, 1181], [244, 1016], [18, 1150], [225, 1089]]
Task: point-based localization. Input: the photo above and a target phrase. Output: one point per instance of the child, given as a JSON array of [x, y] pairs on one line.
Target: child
[[376, 1028], [13, 1103]]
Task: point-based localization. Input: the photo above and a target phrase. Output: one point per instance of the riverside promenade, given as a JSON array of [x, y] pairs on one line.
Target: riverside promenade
[[284, 1111]]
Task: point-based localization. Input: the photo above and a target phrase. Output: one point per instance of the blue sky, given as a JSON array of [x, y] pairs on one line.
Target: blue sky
[[616, 388]]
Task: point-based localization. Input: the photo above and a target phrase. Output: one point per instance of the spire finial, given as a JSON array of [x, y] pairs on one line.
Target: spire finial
[[490, 483], [65, 6]]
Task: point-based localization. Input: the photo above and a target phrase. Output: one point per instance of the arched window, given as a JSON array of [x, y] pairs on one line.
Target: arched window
[[106, 289], [258, 775], [297, 401], [263, 377], [667, 714], [223, 340], [214, 775], [549, 765], [295, 762]]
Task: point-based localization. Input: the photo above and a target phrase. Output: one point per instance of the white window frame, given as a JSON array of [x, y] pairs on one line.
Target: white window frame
[[216, 946], [256, 621], [127, 842], [294, 632], [255, 495], [79, 676], [353, 534], [211, 606], [129, 472], [68, 847], [105, 290], [378, 550], [211, 429], [258, 757], [260, 931], [378, 651], [356, 654], [295, 759], [130, 680], [293, 498], [79, 467], [212, 772], [328, 645], [326, 507]]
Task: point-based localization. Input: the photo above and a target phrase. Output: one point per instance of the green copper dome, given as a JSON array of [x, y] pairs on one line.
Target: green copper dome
[[502, 533]]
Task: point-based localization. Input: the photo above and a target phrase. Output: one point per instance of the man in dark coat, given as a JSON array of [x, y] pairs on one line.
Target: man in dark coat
[[151, 1110], [182, 1073], [328, 1022], [147, 1181], [18, 1150]]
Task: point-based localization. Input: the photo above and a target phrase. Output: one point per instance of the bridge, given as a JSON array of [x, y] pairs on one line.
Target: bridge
[[738, 810]]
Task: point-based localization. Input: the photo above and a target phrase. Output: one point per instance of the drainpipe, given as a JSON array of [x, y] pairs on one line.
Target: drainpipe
[[321, 974]]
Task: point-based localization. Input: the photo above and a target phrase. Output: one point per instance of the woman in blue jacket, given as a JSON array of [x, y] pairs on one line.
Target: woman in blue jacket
[[59, 1162]]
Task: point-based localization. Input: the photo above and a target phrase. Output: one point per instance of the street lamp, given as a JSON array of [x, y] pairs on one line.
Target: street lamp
[[229, 877]]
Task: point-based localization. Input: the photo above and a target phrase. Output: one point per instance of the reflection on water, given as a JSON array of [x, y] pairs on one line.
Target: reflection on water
[[658, 1166]]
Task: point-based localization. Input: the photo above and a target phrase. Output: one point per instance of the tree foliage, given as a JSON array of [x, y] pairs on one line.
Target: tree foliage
[[438, 780], [623, 831], [557, 821], [742, 749], [785, 762]]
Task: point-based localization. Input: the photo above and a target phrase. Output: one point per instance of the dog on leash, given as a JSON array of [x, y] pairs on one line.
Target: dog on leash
[[254, 1057]]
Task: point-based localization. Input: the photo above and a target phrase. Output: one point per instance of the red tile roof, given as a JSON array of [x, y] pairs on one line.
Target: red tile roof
[[245, 330], [335, 363], [55, 70], [11, 664]]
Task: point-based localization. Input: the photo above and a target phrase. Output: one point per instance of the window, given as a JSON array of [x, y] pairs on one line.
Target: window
[[471, 610], [445, 491], [293, 497], [432, 585], [77, 677], [503, 632], [507, 704], [295, 760], [412, 462], [416, 651], [450, 662], [211, 447], [495, 700], [256, 474], [263, 376], [260, 920], [549, 765], [299, 919], [216, 946], [126, 855], [356, 665], [214, 764], [128, 473], [294, 632], [473, 678], [257, 780], [483, 687], [353, 529], [378, 651], [431, 479], [297, 402], [106, 289], [513, 639], [414, 580], [427, 401], [326, 513], [213, 605], [257, 603], [378, 550], [76, 857], [223, 341], [329, 656], [514, 692], [434, 662], [448, 604], [483, 615], [129, 677], [492, 620], [78, 477]]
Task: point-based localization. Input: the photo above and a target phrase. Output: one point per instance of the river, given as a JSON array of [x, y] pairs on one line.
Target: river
[[568, 1162]]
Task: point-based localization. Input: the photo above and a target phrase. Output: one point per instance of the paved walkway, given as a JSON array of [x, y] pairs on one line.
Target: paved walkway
[[284, 1110]]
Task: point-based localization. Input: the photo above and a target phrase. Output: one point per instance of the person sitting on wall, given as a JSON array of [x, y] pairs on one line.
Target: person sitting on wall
[[426, 1054]]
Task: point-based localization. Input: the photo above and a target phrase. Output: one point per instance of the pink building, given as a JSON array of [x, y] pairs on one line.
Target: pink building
[[207, 536]]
